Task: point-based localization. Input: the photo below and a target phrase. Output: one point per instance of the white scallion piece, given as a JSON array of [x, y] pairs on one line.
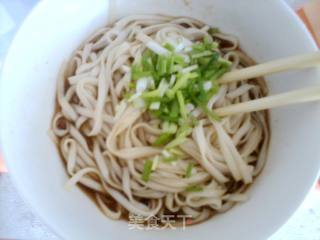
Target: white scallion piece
[[179, 47], [154, 106], [151, 83], [166, 154], [152, 44], [169, 127], [163, 87], [187, 49], [196, 112], [134, 96], [207, 85], [186, 58], [172, 80], [142, 85], [190, 107], [190, 69], [155, 163], [139, 103], [202, 54]]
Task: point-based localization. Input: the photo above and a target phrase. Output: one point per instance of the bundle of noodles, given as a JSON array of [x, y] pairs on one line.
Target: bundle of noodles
[[135, 120]]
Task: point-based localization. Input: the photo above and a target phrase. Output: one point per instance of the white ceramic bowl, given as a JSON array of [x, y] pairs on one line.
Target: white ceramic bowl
[[266, 29]]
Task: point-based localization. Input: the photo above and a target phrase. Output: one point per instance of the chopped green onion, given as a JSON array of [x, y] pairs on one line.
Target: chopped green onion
[[151, 94], [162, 65], [211, 114], [194, 189], [139, 103], [176, 142], [142, 85], [181, 104], [169, 127], [214, 58], [190, 68], [155, 163], [163, 87], [201, 54], [166, 153], [154, 106], [169, 46], [177, 152], [172, 85], [170, 159], [163, 139], [213, 30], [147, 169], [170, 65], [179, 60], [198, 47], [184, 130], [137, 72], [180, 83], [209, 44], [207, 86], [146, 61], [134, 96], [177, 68], [189, 170], [172, 80]]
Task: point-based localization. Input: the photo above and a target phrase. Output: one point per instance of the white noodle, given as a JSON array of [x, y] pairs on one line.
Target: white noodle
[[105, 141]]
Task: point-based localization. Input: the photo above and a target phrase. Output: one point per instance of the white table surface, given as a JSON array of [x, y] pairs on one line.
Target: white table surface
[[18, 221]]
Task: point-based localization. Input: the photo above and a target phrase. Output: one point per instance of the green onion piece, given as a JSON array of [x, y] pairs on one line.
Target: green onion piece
[[189, 170], [163, 139], [178, 59], [151, 94], [170, 159], [194, 189], [184, 131], [127, 95], [182, 106], [211, 114], [169, 46], [214, 58], [201, 54], [162, 65], [146, 61], [170, 64], [181, 82], [213, 30], [147, 169], [206, 40], [198, 47], [163, 87], [154, 106], [177, 68], [219, 74], [176, 142], [165, 109], [203, 96], [169, 127], [137, 72], [209, 44], [177, 152]]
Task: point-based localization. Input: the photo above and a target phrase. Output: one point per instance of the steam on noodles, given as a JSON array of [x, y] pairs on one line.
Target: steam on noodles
[[135, 121]]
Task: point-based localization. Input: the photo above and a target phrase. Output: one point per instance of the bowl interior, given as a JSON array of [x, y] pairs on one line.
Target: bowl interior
[[266, 29]]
